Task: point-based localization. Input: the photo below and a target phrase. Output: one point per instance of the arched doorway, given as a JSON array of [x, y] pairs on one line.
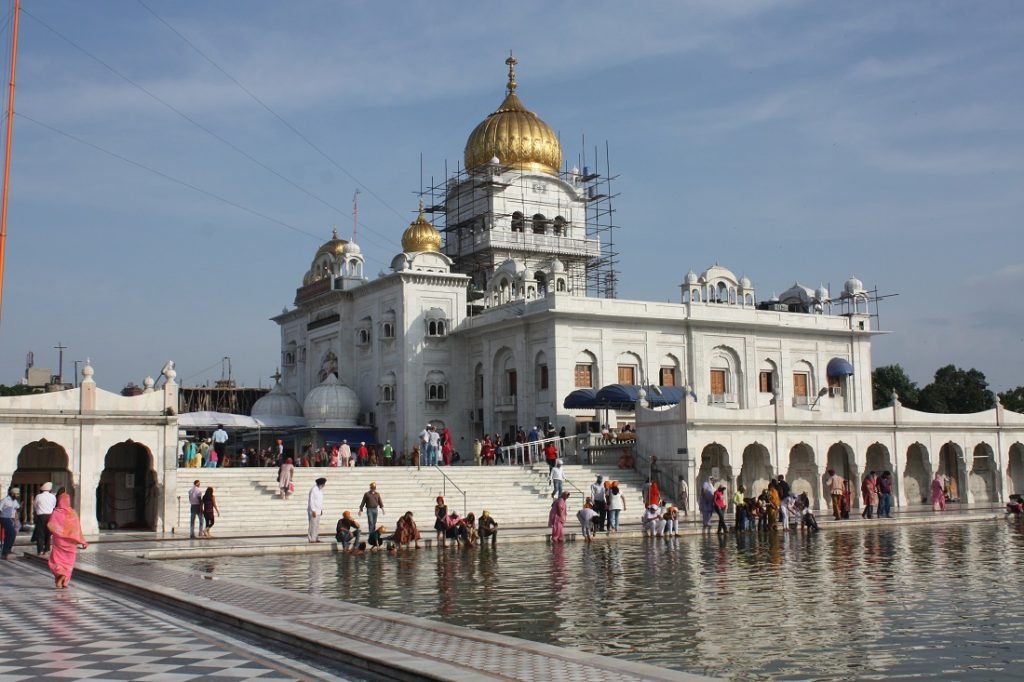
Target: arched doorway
[[803, 473], [40, 462], [126, 496], [982, 478], [917, 474], [1015, 468], [840, 458], [951, 457], [878, 459], [714, 459], [757, 469]]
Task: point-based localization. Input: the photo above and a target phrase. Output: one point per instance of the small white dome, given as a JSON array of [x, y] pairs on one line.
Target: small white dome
[[353, 249], [718, 272], [823, 294], [277, 403], [494, 161], [691, 277], [745, 283], [853, 286], [331, 404], [557, 266]]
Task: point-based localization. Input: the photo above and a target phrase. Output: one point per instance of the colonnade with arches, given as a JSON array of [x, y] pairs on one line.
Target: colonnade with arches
[[974, 470], [120, 491]]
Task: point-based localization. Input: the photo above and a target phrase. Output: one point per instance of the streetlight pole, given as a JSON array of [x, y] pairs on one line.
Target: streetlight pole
[[77, 363]]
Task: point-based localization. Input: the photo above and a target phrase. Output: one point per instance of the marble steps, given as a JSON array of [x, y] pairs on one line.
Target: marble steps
[[516, 496]]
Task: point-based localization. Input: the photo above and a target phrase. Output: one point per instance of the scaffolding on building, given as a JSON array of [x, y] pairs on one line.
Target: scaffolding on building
[[590, 176], [220, 397]]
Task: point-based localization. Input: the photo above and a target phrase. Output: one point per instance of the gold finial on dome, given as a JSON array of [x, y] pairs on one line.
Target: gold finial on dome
[[511, 61], [515, 135], [421, 235]]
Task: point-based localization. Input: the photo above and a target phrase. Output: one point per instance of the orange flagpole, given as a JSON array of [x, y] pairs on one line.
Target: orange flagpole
[[7, 148]]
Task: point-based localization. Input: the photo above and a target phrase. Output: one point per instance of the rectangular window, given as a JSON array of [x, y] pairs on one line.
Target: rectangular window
[[668, 376], [512, 382], [765, 382], [584, 376], [800, 384], [627, 374], [718, 382], [543, 378]]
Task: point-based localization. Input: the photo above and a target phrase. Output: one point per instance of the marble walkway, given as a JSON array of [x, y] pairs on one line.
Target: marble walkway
[[379, 644], [85, 632]]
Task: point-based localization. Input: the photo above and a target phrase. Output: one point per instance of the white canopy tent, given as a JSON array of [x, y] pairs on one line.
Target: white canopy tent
[[210, 420]]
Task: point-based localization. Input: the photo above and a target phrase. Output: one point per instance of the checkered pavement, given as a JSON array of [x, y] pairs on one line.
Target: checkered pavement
[[80, 634]]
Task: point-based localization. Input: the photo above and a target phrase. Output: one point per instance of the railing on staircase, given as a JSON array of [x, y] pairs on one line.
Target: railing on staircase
[[533, 452], [445, 480]]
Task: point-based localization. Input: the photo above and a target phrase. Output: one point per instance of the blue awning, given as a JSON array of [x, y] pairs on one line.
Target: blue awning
[[670, 395], [838, 367], [621, 397], [581, 398], [618, 397]]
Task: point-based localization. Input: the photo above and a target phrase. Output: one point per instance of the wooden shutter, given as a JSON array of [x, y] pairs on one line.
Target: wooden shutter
[[717, 382], [800, 385]]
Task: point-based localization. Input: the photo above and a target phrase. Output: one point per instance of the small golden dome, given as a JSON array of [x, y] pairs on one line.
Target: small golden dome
[[421, 236], [515, 135], [334, 247]]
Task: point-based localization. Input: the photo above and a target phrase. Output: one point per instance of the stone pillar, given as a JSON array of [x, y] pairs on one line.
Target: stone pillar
[[90, 459], [167, 468]]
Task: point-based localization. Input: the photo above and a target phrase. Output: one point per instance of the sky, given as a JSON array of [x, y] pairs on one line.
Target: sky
[[175, 165]]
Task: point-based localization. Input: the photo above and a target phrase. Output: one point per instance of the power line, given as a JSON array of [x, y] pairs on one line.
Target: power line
[[165, 176], [273, 113], [196, 123]]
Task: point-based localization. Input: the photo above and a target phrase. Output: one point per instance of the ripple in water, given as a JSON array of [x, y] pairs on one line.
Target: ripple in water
[[877, 603]]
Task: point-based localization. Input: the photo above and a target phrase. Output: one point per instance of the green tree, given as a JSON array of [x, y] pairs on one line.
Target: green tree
[[1013, 399], [18, 389], [957, 391], [889, 378]]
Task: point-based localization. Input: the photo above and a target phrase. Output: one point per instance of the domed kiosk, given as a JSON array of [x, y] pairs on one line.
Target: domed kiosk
[[332, 404], [277, 403]]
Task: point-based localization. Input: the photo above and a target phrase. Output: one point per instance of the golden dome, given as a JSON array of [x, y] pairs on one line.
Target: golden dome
[[515, 135], [421, 236], [334, 247]]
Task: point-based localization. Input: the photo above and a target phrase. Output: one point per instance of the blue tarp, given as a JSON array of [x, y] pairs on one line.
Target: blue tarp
[[838, 367], [621, 397]]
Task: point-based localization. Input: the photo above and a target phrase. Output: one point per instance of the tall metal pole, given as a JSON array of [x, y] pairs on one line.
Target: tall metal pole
[[7, 147]]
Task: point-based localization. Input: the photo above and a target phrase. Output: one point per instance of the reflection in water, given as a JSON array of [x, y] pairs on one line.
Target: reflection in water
[[883, 602]]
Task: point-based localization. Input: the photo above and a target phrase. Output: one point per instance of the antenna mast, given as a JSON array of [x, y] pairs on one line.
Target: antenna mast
[[355, 214], [7, 146]]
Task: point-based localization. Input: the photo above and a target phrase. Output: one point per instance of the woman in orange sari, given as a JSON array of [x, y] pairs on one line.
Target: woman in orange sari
[[67, 538]]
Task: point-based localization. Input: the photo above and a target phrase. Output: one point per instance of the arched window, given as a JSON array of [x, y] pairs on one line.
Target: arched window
[[540, 223], [560, 226], [586, 370], [388, 388], [437, 386], [437, 323], [518, 223], [542, 284]]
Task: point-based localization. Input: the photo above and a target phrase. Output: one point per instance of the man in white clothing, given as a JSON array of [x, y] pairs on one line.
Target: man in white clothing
[[220, 443], [345, 453], [435, 445], [315, 508], [425, 445], [195, 506], [42, 507]]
